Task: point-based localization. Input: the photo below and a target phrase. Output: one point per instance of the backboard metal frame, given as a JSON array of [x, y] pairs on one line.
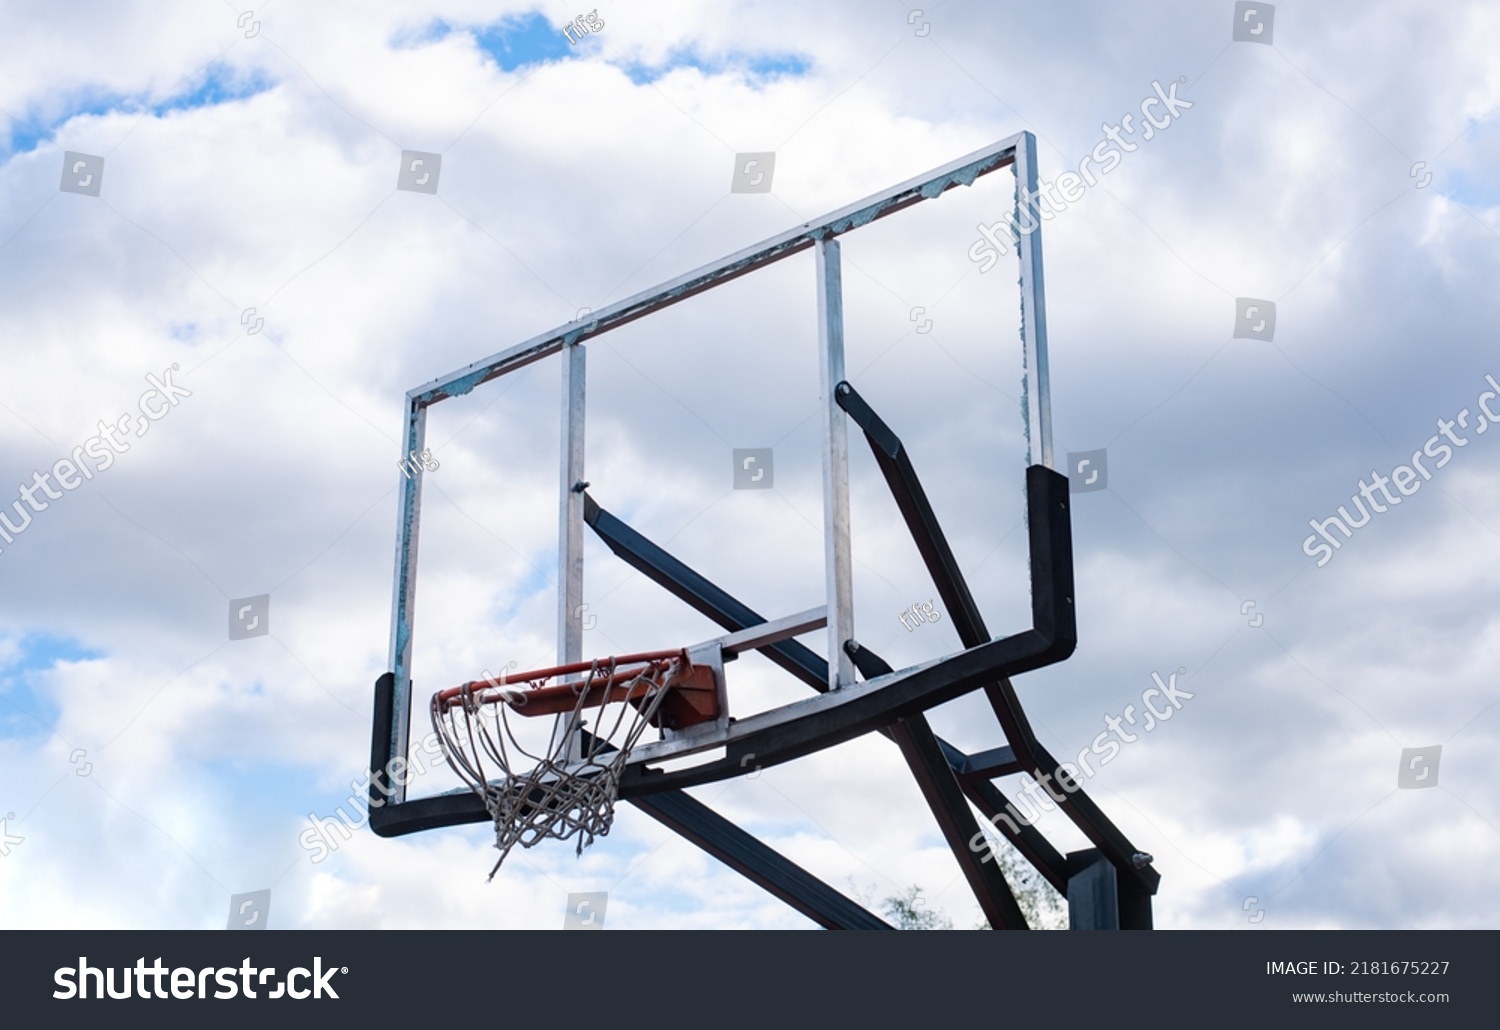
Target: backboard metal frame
[[857, 692], [1018, 150]]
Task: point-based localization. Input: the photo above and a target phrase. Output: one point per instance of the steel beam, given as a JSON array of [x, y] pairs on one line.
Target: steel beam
[[756, 862], [404, 603], [911, 500], [570, 523], [698, 593], [962, 172], [1037, 390], [704, 597], [1093, 892], [986, 765], [838, 567], [950, 808], [944, 796], [1024, 837], [901, 477], [767, 633]]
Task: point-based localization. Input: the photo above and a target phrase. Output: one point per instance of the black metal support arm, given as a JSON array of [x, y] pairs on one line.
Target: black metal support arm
[[800, 728], [756, 862], [893, 705], [915, 738], [696, 822], [890, 455], [705, 597], [945, 797]]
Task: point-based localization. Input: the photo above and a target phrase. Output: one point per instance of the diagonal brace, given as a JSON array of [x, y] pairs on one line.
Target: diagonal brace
[[758, 863], [932, 544], [710, 600]]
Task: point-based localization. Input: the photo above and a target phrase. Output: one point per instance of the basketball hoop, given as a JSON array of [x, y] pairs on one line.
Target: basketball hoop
[[571, 788]]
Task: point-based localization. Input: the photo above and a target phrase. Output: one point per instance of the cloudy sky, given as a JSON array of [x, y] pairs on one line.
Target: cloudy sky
[[227, 220]]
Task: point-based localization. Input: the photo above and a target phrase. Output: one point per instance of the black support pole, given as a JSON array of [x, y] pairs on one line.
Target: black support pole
[[1093, 892], [758, 863], [941, 789], [1046, 492]]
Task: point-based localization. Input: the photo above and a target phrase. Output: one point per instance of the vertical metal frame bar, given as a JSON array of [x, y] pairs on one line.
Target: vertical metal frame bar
[[838, 567], [403, 604], [1037, 395], [570, 509], [570, 514]]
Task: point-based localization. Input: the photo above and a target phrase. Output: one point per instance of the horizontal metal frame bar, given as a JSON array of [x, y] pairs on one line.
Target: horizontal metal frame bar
[[961, 172], [986, 765], [758, 863], [753, 638]]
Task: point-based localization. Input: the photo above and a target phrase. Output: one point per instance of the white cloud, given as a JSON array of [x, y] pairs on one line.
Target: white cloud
[[566, 185]]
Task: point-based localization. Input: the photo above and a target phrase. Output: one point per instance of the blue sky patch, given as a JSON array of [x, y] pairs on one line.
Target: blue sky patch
[[219, 84], [35, 128], [26, 711], [511, 43], [531, 40], [758, 68]]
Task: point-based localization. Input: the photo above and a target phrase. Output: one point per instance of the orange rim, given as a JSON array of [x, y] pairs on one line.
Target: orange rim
[[509, 691]]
